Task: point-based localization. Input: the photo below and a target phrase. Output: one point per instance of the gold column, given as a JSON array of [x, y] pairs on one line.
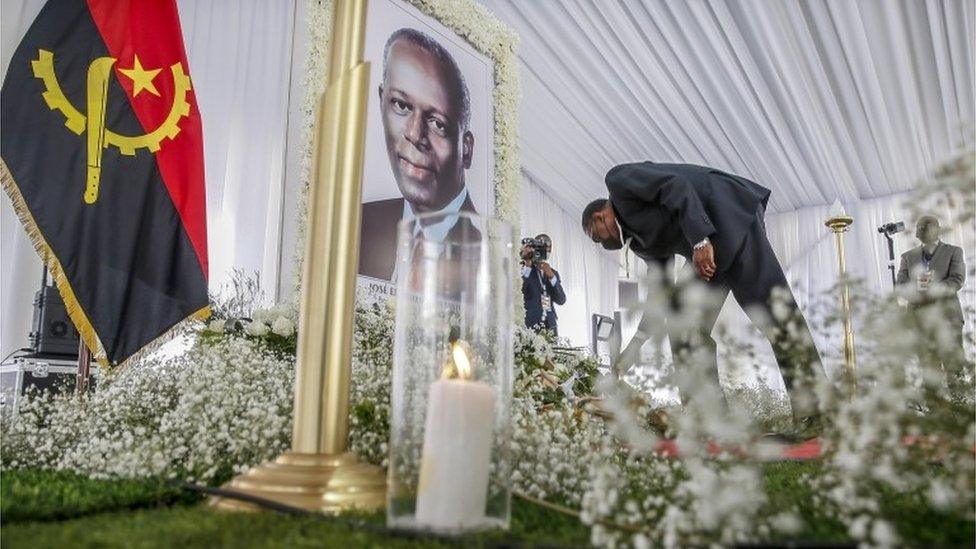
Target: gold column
[[839, 223], [319, 472]]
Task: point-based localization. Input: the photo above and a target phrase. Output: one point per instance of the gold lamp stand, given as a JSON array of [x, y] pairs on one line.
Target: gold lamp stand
[[319, 473], [838, 223]]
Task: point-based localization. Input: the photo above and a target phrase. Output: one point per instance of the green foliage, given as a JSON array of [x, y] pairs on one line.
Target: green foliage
[[150, 513], [280, 346], [31, 494], [786, 490], [57, 508], [917, 522]]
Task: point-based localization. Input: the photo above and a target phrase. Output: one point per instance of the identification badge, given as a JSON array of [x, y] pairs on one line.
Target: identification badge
[[546, 302], [924, 280]]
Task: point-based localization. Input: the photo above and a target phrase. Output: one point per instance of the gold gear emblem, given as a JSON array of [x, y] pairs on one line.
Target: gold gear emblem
[[100, 137]]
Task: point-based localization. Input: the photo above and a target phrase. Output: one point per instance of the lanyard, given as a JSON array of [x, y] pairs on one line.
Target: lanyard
[[927, 262], [538, 272]]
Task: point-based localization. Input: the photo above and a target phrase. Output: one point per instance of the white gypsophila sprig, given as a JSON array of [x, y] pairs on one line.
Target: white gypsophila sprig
[[198, 416]]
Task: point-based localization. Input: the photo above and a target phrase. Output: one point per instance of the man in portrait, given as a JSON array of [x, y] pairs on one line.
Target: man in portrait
[[426, 110]]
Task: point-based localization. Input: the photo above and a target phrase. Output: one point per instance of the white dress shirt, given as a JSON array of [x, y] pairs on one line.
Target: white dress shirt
[[438, 231]]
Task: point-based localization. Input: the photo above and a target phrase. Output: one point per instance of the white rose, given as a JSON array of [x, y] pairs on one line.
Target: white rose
[[285, 310], [256, 328], [216, 325], [283, 326], [260, 315]]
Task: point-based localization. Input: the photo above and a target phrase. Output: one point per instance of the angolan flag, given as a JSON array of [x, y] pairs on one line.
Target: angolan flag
[[102, 156]]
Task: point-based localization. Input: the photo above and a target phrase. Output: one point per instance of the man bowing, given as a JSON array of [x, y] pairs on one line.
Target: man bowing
[[717, 221]]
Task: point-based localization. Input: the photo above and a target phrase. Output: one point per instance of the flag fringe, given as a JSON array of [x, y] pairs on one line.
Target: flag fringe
[[71, 305], [173, 331]]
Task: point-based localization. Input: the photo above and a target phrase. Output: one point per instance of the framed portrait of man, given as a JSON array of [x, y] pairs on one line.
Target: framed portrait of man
[[429, 134]]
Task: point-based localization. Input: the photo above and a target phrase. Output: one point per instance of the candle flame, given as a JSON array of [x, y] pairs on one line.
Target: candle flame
[[461, 362], [458, 364]]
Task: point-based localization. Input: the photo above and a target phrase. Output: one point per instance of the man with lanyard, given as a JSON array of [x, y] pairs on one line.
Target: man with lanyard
[[938, 270], [541, 288]]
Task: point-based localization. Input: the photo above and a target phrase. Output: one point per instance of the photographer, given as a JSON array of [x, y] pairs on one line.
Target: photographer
[[541, 286]]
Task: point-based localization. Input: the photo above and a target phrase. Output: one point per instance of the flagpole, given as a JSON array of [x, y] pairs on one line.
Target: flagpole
[[319, 472], [84, 367]]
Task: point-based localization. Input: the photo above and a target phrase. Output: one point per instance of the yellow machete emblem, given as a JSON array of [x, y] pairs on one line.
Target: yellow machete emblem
[[100, 137]]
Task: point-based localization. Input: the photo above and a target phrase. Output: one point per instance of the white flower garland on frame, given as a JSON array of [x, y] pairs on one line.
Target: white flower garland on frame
[[486, 34]]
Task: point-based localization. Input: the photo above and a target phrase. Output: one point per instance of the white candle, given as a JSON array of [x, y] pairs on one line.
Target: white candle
[[456, 460]]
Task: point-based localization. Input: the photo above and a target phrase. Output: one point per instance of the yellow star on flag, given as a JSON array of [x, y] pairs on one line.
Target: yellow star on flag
[[142, 79]]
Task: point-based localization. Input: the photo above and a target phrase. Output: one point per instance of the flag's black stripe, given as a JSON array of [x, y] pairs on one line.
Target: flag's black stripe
[[128, 258]]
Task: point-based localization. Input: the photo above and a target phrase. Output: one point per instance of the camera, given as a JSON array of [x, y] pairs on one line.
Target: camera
[[892, 228], [540, 251]]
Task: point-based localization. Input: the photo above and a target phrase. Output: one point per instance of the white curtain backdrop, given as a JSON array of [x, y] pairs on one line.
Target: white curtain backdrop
[[587, 272], [240, 54], [815, 99]]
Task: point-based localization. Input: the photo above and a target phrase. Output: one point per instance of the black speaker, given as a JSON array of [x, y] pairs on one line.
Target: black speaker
[[52, 333]]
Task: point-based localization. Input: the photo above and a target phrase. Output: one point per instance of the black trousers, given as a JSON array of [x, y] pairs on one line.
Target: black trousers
[[754, 276]]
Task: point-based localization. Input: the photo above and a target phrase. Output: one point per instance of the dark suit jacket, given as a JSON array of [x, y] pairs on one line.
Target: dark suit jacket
[[532, 293], [668, 208], [948, 269], [378, 235]]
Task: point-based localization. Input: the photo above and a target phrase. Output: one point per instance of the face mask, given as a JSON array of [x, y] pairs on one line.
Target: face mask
[[614, 244]]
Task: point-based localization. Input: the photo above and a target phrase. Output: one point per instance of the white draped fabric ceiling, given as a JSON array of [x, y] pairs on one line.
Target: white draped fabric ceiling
[[816, 99]]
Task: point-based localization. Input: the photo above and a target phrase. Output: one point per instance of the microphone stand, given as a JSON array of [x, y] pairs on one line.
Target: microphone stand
[[891, 257]]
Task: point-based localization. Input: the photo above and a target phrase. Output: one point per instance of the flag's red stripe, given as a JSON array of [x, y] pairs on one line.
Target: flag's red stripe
[[151, 29]]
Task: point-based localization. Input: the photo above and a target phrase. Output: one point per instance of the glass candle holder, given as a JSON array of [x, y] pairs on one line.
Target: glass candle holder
[[450, 431]]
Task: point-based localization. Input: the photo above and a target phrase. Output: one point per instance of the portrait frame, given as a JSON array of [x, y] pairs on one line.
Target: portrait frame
[[482, 31]]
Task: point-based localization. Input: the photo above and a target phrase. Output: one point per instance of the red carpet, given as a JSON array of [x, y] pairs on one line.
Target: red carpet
[[776, 451]]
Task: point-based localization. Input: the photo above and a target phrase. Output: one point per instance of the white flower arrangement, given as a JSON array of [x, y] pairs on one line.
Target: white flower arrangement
[[283, 326], [256, 328], [217, 325], [226, 405], [201, 416]]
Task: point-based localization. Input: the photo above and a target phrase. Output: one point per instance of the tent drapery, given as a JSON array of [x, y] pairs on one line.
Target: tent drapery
[[815, 99]]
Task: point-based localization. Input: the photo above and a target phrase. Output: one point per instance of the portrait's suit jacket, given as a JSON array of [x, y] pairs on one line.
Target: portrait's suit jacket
[[532, 294], [948, 268], [378, 235], [668, 208]]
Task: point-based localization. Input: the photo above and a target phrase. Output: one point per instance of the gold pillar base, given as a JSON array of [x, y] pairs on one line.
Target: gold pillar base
[[316, 482]]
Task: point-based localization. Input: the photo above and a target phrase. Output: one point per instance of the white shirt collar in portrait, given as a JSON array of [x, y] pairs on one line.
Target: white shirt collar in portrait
[[435, 232], [438, 231]]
